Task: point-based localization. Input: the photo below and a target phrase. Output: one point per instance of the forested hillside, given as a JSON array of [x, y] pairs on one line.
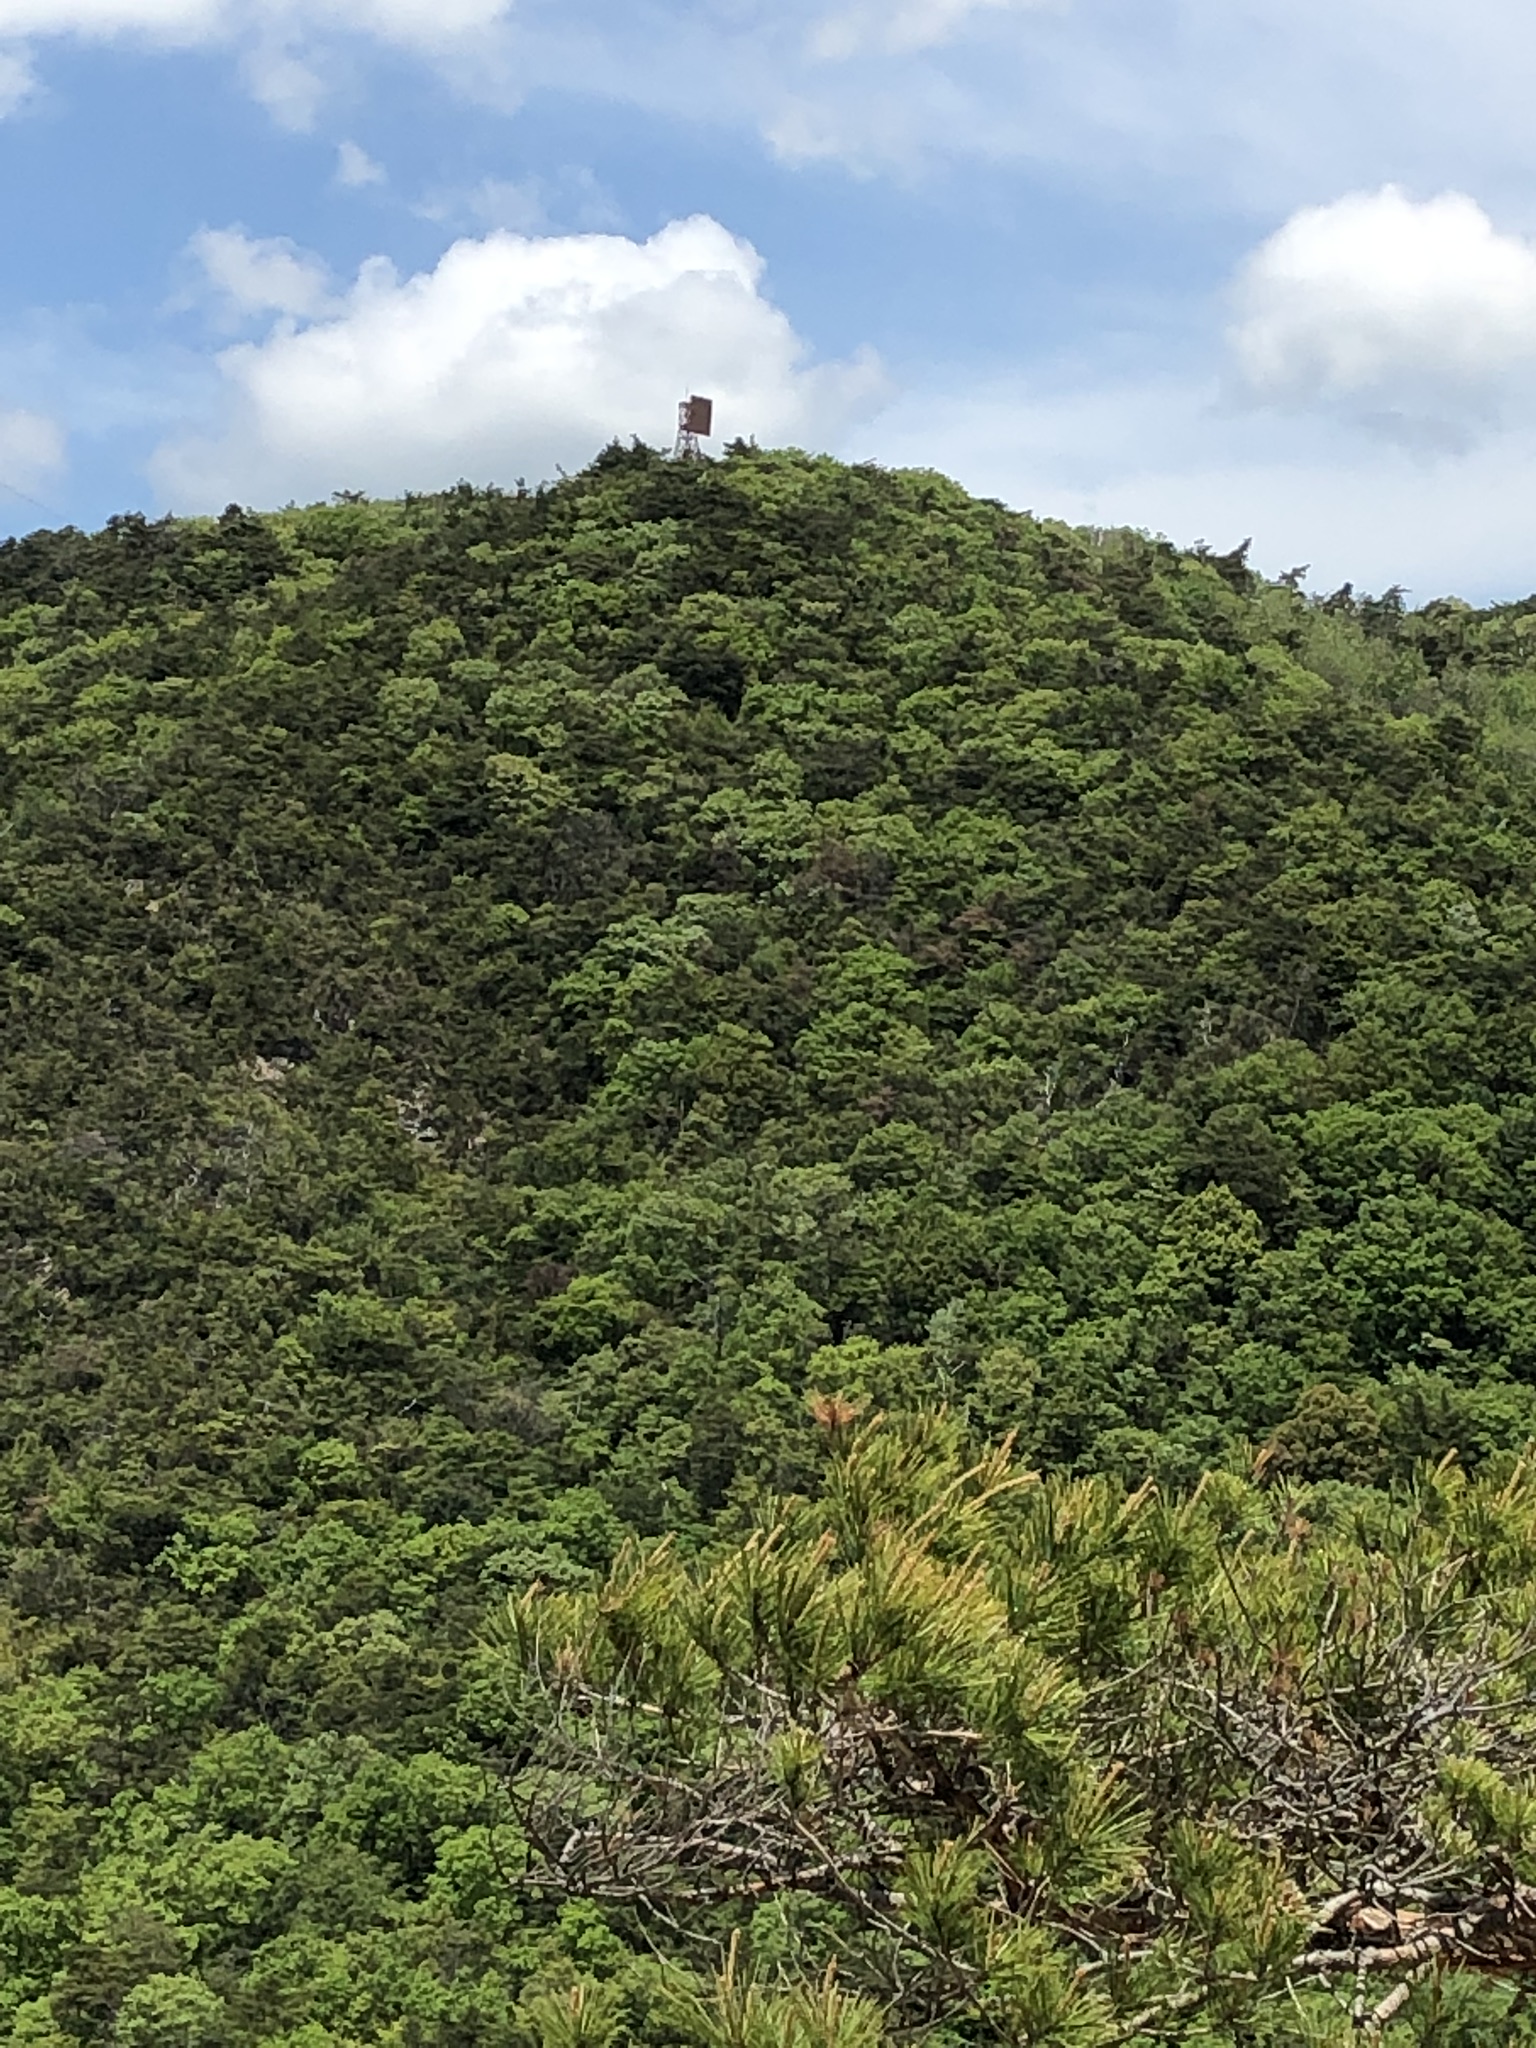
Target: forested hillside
[[508, 998]]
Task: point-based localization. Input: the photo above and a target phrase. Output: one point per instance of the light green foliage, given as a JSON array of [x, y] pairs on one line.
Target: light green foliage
[[585, 2016], [170, 2012], [1084, 1789], [737, 2012]]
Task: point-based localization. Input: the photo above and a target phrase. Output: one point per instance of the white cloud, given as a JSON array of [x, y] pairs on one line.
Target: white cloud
[[417, 24], [1253, 102], [520, 205], [172, 21], [287, 84], [31, 451], [16, 81], [909, 26], [1383, 302], [1381, 424], [271, 276], [512, 356], [1246, 104], [572, 198], [355, 167], [1163, 454], [282, 43]]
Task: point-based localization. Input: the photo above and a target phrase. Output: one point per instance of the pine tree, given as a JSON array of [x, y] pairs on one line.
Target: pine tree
[[1041, 1761]]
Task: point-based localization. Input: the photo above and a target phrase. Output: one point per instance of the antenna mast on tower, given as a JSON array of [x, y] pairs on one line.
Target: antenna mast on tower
[[695, 423]]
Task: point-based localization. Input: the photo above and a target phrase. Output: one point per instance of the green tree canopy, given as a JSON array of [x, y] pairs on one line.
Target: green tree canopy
[[505, 992]]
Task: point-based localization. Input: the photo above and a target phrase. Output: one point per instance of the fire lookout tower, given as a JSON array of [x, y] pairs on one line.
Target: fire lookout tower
[[695, 423]]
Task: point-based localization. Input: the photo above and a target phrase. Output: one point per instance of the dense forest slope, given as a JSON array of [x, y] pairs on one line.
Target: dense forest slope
[[504, 993]]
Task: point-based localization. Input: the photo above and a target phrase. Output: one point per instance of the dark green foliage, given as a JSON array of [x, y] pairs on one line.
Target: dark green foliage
[[502, 993]]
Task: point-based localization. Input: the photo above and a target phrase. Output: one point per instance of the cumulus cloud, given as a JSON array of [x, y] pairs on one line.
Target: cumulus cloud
[[1379, 301], [261, 276], [31, 451], [515, 354], [355, 167], [1383, 339], [1375, 416]]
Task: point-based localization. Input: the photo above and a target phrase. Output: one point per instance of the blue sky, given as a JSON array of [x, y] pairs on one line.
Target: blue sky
[[1211, 267]]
